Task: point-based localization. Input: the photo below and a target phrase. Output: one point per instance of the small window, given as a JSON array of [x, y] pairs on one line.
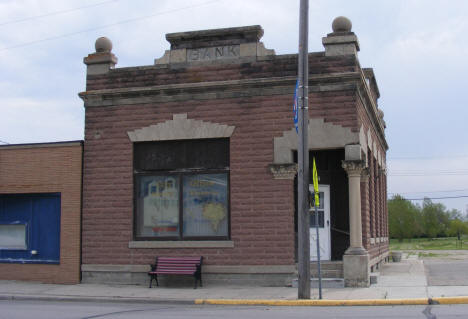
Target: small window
[[320, 210], [182, 190], [13, 237]]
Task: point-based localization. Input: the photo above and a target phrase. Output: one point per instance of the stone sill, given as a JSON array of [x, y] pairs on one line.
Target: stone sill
[[182, 244]]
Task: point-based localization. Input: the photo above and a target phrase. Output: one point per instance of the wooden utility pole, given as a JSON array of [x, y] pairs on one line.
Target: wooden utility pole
[[303, 155]]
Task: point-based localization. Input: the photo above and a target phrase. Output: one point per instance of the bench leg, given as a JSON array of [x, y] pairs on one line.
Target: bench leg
[[197, 276], [155, 277]]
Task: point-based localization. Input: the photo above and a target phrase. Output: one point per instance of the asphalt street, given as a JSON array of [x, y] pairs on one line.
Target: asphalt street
[[90, 310]]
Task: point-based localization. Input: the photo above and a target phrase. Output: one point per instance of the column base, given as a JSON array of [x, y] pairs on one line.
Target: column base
[[356, 269], [356, 251]]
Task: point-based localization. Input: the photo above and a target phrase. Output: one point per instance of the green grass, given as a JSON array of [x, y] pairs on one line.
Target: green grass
[[424, 254], [449, 243]]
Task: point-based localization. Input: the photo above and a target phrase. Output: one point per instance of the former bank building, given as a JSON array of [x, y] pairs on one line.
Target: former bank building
[[196, 155]]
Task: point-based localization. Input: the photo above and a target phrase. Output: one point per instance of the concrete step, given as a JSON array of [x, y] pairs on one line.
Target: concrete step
[[327, 273], [327, 265], [326, 283]]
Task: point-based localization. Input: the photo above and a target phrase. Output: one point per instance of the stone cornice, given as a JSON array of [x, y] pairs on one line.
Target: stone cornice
[[133, 95]]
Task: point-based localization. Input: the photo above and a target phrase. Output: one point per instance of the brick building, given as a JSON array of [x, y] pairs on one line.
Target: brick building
[[40, 212], [196, 155]]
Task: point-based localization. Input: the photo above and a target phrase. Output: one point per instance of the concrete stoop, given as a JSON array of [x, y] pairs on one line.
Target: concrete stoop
[[326, 283], [331, 271], [328, 269]]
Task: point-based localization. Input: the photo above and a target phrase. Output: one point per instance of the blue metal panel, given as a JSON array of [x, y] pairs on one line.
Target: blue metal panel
[[41, 215]]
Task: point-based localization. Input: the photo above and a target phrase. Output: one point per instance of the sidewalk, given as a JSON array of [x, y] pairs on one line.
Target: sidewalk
[[402, 280]]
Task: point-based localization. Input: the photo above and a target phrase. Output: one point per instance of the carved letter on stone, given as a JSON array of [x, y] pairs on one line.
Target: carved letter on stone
[[219, 52], [194, 55], [232, 51], [206, 54]]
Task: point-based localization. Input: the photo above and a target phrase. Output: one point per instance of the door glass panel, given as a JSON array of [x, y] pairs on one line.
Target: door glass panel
[[320, 219], [13, 237], [312, 200]]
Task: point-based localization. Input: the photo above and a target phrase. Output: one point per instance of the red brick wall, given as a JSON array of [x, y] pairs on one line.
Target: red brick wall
[[262, 208], [46, 168]]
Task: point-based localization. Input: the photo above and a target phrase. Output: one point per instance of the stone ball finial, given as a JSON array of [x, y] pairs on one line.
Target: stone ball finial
[[103, 44], [341, 24], [381, 113]]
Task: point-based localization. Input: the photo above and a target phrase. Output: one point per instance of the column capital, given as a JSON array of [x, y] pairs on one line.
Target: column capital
[[365, 174], [354, 168]]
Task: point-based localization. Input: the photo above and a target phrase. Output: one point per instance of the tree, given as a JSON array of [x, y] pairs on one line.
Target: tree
[[403, 218], [435, 219], [457, 228]]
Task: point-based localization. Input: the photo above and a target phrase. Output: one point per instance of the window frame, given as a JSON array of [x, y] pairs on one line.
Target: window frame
[[179, 174]]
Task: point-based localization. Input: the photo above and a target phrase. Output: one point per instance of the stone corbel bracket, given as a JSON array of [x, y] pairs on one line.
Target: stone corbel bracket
[[283, 171]]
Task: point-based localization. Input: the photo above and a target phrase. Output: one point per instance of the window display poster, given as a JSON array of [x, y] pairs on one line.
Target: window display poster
[[205, 210], [160, 205]]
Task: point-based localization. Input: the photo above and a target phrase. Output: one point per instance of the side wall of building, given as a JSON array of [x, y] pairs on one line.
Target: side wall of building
[[373, 186], [47, 168]]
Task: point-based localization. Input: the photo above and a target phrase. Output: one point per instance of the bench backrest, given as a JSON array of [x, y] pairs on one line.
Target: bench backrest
[[178, 264]]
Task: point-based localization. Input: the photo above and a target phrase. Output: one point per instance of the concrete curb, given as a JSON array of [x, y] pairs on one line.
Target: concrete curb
[[450, 300], [355, 302], [98, 299], [247, 302]]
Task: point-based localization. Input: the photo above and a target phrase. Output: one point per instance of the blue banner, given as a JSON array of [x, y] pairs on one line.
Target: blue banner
[[295, 109]]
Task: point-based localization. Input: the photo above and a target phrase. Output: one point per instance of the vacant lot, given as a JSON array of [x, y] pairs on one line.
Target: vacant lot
[[449, 243]]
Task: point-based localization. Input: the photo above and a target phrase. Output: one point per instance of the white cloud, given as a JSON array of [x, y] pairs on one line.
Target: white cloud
[[27, 120]]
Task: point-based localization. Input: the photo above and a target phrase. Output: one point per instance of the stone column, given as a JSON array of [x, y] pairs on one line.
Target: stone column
[[356, 259], [354, 170]]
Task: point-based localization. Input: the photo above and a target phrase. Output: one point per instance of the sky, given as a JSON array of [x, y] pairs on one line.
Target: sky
[[417, 48]]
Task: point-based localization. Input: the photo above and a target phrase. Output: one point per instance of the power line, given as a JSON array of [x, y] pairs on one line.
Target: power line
[[56, 13], [445, 197], [445, 191], [429, 174], [107, 25], [425, 157]]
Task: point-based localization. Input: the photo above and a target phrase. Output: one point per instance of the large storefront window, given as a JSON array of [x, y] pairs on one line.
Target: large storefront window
[[30, 228], [182, 190]]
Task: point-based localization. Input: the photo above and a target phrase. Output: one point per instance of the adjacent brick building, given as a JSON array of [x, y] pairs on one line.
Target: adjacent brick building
[[40, 212], [196, 155]]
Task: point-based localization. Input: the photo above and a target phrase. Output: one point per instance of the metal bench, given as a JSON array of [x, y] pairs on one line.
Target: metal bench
[[176, 266]]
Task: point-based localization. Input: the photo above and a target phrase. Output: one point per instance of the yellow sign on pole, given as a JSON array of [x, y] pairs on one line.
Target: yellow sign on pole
[[316, 187]]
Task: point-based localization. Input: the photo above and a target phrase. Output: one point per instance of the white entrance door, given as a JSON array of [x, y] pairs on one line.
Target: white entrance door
[[324, 223]]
